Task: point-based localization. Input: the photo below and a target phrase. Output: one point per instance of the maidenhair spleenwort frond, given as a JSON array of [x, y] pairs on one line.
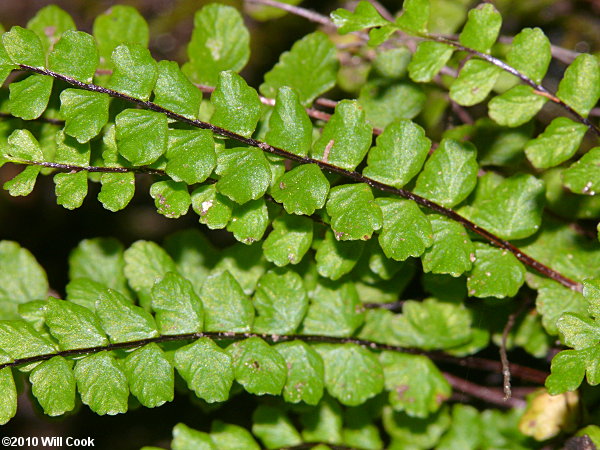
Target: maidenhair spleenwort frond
[[99, 343], [360, 178], [295, 316]]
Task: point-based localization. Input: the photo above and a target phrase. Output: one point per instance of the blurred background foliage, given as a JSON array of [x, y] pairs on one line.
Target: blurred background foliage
[[51, 232]]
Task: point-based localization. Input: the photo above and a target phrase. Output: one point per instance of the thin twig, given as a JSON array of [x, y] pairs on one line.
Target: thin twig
[[490, 395], [510, 323], [302, 12], [490, 365], [353, 175], [382, 10]]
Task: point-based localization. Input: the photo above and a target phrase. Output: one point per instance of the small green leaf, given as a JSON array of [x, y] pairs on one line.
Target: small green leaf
[[475, 81], [274, 428], [175, 92], [145, 264], [580, 86], [346, 138], [73, 326], [20, 340], [364, 16], [237, 107], [414, 17], [289, 241], [530, 53], [432, 324], [406, 230], [290, 127], [231, 437], [150, 375], [8, 406], [452, 251], [428, 60], [305, 373], [568, 370], [101, 384], [258, 366], [85, 113], [190, 155], [496, 273], [226, 307], [24, 47], [24, 182], [354, 213], [185, 438], [206, 368], [554, 300], [29, 97], [49, 24], [178, 308], [117, 190], [53, 384], [399, 155], [352, 373], [583, 177], [120, 24], [141, 135], [482, 28], [337, 258], [84, 292], [22, 145], [323, 423], [220, 41], [71, 189], [171, 198], [135, 71], [334, 309], [213, 208], [385, 101], [75, 56], [302, 190], [407, 432], [512, 209], [280, 301], [194, 255], [578, 331], [559, 141], [249, 221], [392, 63], [245, 174], [101, 260], [310, 68], [22, 279], [246, 263], [378, 36], [416, 385], [123, 321], [465, 429], [69, 151], [450, 174], [516, 106]]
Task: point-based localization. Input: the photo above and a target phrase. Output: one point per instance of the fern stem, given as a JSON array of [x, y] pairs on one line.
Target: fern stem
[[353, 175], [522, 372], [538, 89]]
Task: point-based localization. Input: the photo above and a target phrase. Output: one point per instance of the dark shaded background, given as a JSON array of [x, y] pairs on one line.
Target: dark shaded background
[[50, 232]]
